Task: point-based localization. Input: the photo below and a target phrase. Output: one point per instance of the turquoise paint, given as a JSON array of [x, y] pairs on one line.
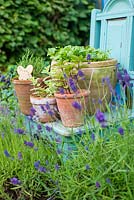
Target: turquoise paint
[[113, 29]]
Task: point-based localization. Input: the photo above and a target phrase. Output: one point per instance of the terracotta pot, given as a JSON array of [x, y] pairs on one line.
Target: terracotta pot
[[71, 116], [42, 111], [23, 91], [100, 93]]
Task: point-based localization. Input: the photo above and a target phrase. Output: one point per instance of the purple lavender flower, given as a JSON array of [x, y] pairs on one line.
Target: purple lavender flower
[[127, 78], [108, 180], [65, 76], [61, 90], [57, 167], [42, 169], [15, 181], [100, 101], [72, 85], [2, 78], [32, 111], [59, 151], [19, 131], [69, 148], [80, 73], [48, 128], [100, 116], [50, 112], [121, 131], [39, 127], [119, 76], [7, 154], [42, 108], [58, 140], [80, 132], [87, 167], [88, 56], [47, 106], [97, 184], [76, 105], [30, 144], [93, 136], [37, 164], [20, 156]]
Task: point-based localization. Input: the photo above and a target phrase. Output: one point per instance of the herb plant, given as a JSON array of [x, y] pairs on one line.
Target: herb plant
[[29, 58], [67, 63]]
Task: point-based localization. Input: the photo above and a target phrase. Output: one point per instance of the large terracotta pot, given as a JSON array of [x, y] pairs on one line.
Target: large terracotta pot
[[23, 91], [100, 90], [46, 108], [70, 115]]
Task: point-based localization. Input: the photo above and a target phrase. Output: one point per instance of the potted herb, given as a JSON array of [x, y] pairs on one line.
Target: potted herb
[[43, 100], [71, 100], [29, 65], [98, 68]]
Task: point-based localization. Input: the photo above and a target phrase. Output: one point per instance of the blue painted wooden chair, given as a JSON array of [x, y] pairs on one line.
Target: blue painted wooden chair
[[112, 28]]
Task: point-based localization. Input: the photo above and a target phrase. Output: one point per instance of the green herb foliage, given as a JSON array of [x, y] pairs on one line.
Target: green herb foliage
[[28, 58], [102, 167]]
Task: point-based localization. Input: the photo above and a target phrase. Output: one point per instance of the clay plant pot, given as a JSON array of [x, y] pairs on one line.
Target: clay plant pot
[[100, 91], [46, 108], [23, 91], [70, 115]]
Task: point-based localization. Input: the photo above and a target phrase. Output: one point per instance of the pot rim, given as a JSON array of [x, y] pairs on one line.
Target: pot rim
[[42, 100], [82, 93], [21, 82], [95, 64]]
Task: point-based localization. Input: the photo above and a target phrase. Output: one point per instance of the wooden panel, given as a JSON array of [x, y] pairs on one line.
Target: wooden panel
[[116, 39]]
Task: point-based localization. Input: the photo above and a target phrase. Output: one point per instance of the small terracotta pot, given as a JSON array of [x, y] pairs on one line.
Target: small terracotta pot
[[23, 91], [71, 116], [44, 114]]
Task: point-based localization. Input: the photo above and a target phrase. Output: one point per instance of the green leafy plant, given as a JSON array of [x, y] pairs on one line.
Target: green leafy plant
[[29, 58], [68, 61], [43, 87], [77, 54]]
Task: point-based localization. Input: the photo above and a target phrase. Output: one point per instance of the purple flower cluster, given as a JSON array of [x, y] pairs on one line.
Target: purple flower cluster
[[97, 184], [20, 156], [61, 90], [57, 167], [47, 109], [77, 105], [88, 58], [39, 167], [124, 78], [32, 111], [107, 81], [93, 136], [121, 131], [30, 144], [100, 117], [7, 153], [87, 167], [15, 181], [72, 85], [19, 131], [48, 128]]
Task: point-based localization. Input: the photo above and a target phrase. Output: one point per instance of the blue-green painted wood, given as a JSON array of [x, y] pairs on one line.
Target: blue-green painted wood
[[115, 32], [95, 29]]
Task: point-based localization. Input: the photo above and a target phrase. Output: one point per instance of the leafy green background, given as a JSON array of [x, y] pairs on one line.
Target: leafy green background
[[40, 24]]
